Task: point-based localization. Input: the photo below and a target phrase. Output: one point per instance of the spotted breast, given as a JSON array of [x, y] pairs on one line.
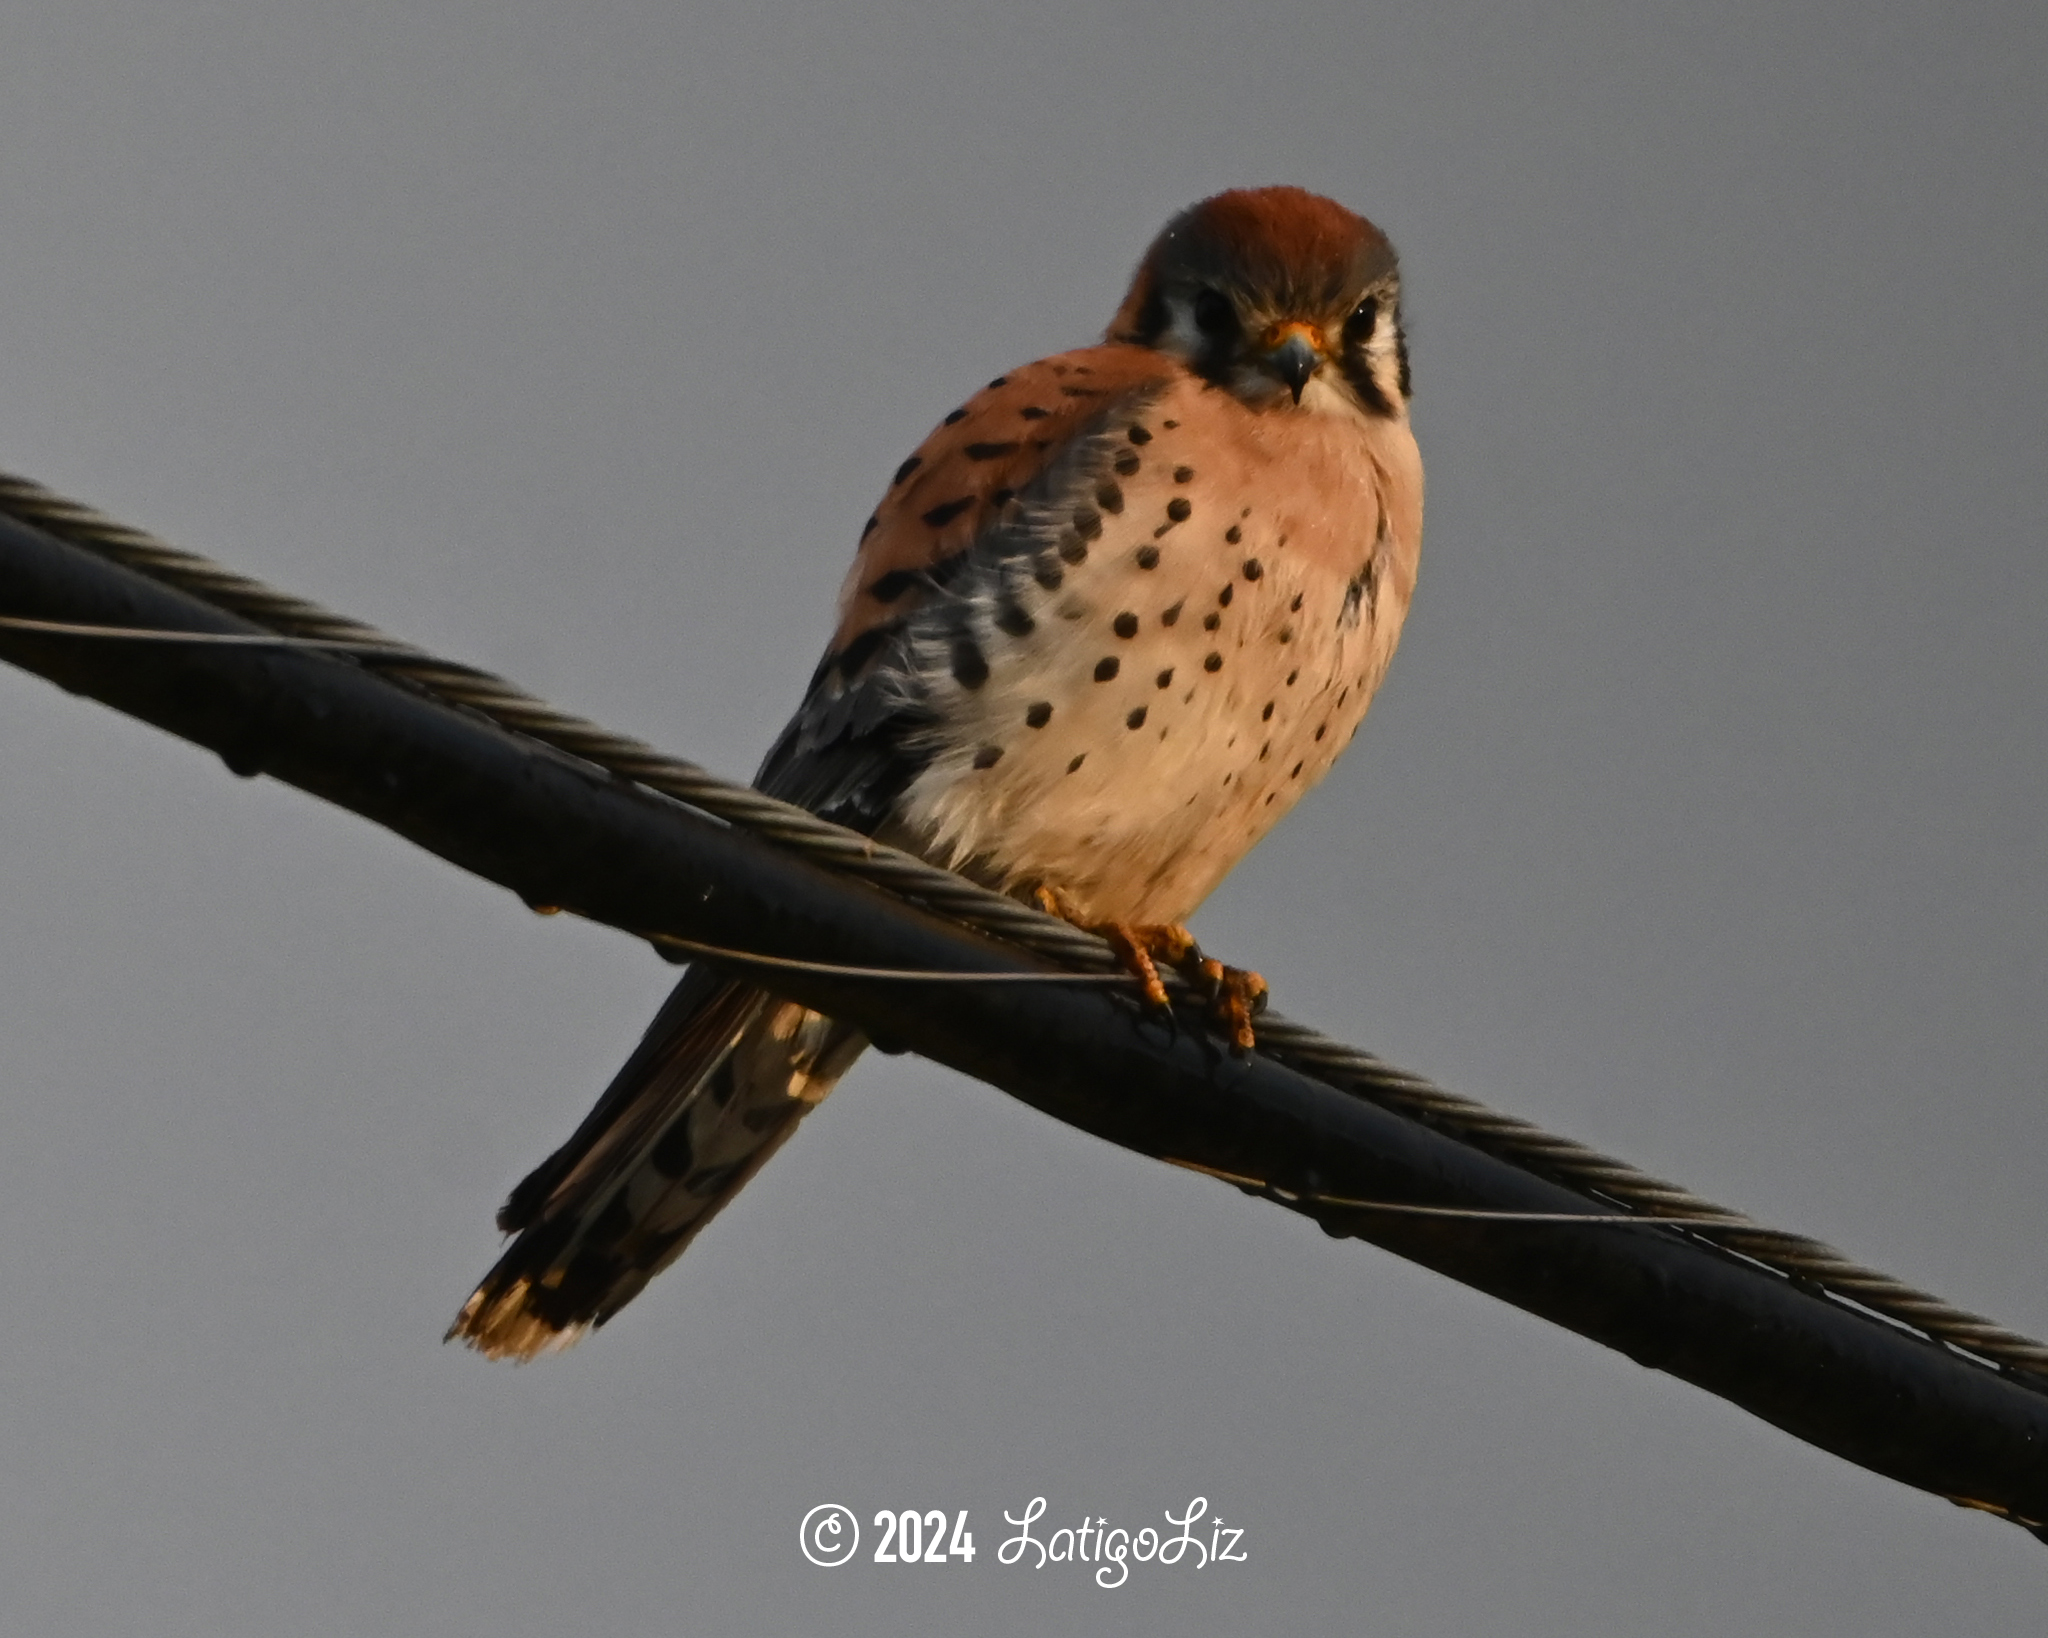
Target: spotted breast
[[1158, 644]]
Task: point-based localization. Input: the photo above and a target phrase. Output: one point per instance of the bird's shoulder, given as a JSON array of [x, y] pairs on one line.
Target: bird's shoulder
[[980, 462], [858, 737]]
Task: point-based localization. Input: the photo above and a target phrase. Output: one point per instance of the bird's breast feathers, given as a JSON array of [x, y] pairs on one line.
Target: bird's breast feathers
[[1132, 629]]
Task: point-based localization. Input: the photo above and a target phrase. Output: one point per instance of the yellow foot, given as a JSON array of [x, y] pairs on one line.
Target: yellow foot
[[1236, 996]]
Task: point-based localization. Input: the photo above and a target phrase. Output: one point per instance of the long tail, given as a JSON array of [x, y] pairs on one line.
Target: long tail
[[715, 1087]]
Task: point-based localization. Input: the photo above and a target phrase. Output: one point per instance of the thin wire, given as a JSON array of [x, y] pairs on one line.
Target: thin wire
[[225, 639], [1471, 1214], [913, 975], [1347, 1068]]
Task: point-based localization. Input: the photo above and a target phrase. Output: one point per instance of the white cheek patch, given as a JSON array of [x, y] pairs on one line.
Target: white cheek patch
[[1182, 335]]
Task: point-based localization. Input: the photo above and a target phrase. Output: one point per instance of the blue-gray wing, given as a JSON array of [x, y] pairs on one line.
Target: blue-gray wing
[[872, 718]]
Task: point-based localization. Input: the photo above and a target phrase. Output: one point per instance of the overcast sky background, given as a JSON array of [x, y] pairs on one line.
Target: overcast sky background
[[1702, 817]]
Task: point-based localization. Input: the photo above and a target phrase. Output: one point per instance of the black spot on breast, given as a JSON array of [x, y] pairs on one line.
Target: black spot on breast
[[1125, 624], [956, 417], [1088, 521], [906, 469], [1072, 547], [1148, 557], [887, 588], [1169, 425], [1213, 663], [1224, 596], [1291, 676], [946, 511], [1265, 750], [1126, 461], [1140, 436], [1000, 381], [1296, 773], [1031, 412], [988, 756], [1136, 719], [1295, 606], [1168, 616], [1039, 714], [1211, 621], [1253, 568], [1183, 474], [970, 665], [1164, 679], [1286, 634], [1075, 765], [1267, 714], [1012, 619], [1322, 728], [1049, 574], [1109, 495], [991, 452], [1107, 667], [1179, 509]]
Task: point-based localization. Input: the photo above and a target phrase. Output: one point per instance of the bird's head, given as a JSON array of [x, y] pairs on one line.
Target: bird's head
[[1276, 294]]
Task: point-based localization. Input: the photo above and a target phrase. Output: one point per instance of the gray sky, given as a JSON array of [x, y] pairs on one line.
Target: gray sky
[[1701, 818]]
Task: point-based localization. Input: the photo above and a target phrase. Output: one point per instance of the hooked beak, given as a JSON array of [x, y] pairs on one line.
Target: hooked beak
[[1293, 355]]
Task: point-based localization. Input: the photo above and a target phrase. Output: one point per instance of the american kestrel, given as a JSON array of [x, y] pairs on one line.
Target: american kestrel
[[1118, 612]]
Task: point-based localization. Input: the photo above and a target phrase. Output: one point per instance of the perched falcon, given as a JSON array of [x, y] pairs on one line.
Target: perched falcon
[[1108, 623]]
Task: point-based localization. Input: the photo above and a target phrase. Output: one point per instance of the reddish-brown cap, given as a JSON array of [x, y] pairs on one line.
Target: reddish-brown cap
[[1285, 249]]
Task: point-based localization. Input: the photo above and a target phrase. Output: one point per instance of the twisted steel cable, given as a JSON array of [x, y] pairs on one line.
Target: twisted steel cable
[[1349, 1069]]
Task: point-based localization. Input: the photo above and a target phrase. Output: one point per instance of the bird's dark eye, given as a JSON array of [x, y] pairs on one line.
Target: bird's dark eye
[[1214, 316], [1358, 327]]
